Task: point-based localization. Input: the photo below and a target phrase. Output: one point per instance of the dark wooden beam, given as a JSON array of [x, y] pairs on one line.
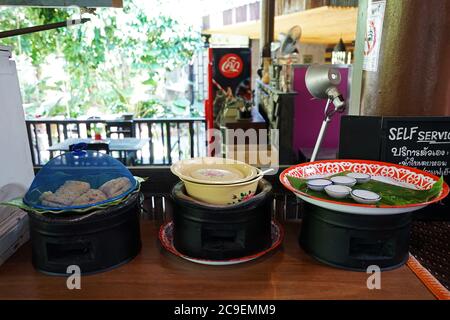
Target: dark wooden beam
[[45, 27], [267, 26], [64, 3]]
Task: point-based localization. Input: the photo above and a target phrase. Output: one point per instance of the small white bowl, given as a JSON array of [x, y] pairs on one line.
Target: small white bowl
[[365, 196], [360, 177], [338, 191], [343, 181], [318, 184]]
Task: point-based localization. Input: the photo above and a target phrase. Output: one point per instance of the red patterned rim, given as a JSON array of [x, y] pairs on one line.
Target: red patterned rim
[[420, 178], [277, 238]]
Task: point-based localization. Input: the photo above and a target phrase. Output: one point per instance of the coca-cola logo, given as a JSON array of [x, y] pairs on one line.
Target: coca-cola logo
[[231, 65]]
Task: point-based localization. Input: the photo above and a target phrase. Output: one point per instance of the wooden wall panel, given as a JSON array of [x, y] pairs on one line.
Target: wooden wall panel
[[413, 76]]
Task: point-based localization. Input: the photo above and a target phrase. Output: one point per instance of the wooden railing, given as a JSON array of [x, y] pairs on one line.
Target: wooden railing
[[176, 138], [169, 139]]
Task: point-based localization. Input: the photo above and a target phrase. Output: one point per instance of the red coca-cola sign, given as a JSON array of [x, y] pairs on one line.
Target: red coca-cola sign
[[231, 65]]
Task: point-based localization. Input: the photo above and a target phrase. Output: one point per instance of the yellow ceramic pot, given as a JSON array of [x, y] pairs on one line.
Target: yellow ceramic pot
[[222, 193], [213, 170]]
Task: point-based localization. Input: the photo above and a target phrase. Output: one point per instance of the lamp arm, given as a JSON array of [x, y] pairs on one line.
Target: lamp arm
[[323, 128], [336, 97], [339, 106]]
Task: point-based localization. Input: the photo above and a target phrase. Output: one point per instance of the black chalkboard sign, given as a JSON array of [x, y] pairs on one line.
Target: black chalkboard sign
[[423, 143], [419, 142]]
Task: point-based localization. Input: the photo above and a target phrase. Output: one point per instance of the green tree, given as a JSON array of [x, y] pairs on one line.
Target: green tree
[[102, 58]]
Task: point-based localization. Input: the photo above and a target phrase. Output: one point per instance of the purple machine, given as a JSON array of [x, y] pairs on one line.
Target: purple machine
[[309, 114]]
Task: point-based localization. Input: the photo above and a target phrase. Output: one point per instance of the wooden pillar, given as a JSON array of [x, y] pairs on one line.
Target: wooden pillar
[[413, 76], [267, 26]]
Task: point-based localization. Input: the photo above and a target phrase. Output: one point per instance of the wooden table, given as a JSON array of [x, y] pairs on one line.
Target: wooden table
[[155, 274], [127, 147], [122, 144]]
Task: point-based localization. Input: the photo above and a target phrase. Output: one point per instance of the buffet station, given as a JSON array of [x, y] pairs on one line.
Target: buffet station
[[213, 227], [219, 233]]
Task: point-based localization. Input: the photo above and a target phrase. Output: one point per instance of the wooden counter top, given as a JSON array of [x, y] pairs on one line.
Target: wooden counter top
[[156, 274]]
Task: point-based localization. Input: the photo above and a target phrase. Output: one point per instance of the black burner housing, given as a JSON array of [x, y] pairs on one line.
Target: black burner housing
[[355, 241], [217, 232], [96, 241]]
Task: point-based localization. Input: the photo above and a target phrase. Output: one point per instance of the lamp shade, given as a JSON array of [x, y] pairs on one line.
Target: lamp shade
[[320, 79]]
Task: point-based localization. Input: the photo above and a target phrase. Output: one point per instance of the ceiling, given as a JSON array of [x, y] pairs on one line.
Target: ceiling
[[323, 25]]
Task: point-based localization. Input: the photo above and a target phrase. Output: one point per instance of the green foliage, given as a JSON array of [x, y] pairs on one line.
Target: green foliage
[[103, 59], [152, 108], [391, 195]]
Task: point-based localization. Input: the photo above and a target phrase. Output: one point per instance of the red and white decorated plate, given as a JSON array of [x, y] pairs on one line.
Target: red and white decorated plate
[[166, 238], [383, 171]]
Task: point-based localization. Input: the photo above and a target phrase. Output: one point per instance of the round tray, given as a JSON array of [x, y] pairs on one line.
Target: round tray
[[166, 238], [389, 172]]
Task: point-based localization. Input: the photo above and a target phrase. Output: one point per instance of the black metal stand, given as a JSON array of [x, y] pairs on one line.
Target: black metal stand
[[355, 241]]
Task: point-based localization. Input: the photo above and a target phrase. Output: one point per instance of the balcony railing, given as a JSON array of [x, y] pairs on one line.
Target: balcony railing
[[169, 139]]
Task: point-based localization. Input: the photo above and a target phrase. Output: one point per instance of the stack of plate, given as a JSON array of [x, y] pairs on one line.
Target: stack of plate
[[14, 230], [217, 180]]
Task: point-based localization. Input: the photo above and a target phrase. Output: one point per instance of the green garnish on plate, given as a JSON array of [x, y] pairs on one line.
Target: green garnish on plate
[[391, 195]]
